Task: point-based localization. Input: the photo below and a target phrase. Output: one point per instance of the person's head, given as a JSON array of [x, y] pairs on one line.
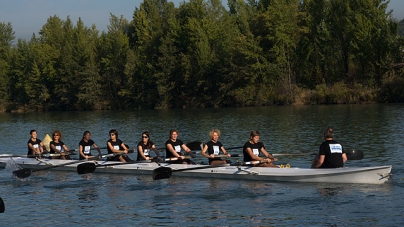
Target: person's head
[[113, 134], [86, 135], [329, 133], [214, 134], [173, 134], [145, 136], [254, 136], [33, 133], [56, 135]]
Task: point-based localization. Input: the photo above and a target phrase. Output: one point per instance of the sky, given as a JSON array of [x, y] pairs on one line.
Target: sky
[[28, 16]]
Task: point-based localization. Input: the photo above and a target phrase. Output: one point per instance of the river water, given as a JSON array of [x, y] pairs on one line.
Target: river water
[[52, 198]]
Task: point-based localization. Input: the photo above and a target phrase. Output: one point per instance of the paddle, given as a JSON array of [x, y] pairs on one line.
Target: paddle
[[2, 207], [166, 172], [25, 172], [248, 163], [101, 148], [351, 154], [89, 167], [195, 145]]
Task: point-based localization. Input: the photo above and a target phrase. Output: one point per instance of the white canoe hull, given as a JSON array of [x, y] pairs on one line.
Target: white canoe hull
[[361, 175]]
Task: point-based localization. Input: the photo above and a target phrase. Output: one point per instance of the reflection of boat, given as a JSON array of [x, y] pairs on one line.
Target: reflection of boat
[[363, 175]]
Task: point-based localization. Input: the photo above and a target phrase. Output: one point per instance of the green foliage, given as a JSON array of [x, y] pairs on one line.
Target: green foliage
[[201, 54], [401, 28]]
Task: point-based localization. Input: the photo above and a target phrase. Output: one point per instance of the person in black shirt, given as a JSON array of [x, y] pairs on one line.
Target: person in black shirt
[[331, 154], [253, 148], [144, 148], [115, 145], [173, 149], [213, 147], [35, 146], [85, 146], [58, 147]]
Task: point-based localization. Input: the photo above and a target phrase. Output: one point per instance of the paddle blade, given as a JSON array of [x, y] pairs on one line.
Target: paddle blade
[[195, 146], [88, 167], [162, 173], [22, 173], [352, 154], [2, 207]]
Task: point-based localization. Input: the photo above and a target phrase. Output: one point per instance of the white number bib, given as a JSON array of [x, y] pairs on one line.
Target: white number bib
[[87, 149], [59, 148], [336, 148], [177, 148], [215, 150], [256, 152]]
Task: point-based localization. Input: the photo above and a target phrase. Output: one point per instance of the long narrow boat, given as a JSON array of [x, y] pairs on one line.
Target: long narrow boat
[[361, 175]]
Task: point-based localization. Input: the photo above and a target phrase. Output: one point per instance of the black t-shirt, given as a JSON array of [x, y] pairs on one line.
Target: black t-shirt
[[35, 144], [176, 145], [86, 147], [58, 146], [256, 148], [333, 154], [146, 150], [214, 148], [117, 145]]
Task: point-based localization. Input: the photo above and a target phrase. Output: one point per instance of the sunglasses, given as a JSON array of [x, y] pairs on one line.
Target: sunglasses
[[111, 134], [145, 137], [56, 135]]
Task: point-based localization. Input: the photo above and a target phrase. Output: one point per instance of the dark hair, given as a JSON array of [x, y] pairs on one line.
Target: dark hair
[[254, 133], [58, 132], [146, 133], [32, 130], [114, 132], [148, 144], [85, 133], [171, 132], [329, 133]]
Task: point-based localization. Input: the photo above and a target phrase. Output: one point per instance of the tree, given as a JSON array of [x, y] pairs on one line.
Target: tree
[[114, 47], [6, 38]]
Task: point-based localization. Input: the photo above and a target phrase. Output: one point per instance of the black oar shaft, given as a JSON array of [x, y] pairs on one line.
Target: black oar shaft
[[166, 172]]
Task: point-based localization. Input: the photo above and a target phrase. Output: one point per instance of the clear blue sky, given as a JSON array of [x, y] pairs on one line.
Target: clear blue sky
[[28, 16]]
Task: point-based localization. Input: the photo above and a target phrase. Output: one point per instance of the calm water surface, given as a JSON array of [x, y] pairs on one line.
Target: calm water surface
[[67, 199]]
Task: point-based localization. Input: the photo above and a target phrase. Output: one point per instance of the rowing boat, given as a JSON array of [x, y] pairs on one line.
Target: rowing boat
[[362, 175]]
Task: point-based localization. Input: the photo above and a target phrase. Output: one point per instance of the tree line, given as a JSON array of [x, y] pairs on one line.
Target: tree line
[[203, 54]]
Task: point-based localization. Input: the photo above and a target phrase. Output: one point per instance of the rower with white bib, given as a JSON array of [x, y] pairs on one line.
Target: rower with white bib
[[85, 145], [145, 147], [213, 149], [252, 150], [58, 147], [331, 153], [173, 149], [117, 147], [35, 145]]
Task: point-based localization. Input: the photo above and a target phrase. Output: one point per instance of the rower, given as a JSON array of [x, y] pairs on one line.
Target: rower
[[85, 146], [58, 147], [144, 148], [214, 147], [253, 148], [115, 146], [35, 146], [173, 149], [331, 154]]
